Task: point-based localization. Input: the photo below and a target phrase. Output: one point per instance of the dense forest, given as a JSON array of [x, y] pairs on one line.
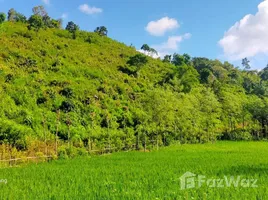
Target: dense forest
[[67, 90]]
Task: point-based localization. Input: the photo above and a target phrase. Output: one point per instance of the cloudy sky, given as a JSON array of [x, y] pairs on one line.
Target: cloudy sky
[[218, 29]]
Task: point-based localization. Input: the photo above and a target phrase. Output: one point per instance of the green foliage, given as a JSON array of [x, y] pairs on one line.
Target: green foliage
[[245, 64], [11, 15], [144, 175], [138, 60], [102, 31], [167, 58], [14, 16], [2, 17], [35, 23], [149, 50], [145, 47], [72, 28], [96, 93]]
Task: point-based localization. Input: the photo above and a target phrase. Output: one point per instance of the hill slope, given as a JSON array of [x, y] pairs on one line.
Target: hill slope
[[93, 92]]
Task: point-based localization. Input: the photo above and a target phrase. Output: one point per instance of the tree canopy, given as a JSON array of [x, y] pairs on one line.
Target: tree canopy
[[101, 30]]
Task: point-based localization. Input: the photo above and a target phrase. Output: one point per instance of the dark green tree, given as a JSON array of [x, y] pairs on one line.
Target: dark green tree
[[145, 47], [138, 60], [167, 58], [2, 17], [11, 15], [178, 60], [20, 18], [35, 23], [245, 64], [102, 31], [72, 28], [187, 59], [14, 16], [264, 74]]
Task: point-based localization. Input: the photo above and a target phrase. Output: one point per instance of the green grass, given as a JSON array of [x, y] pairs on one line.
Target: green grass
[[138, 175]]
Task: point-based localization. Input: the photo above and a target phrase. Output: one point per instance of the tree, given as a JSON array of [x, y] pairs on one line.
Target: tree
[[47, 21], [178, 60], [72, 28], [35, 22], [39, 10], [145, 47], [167, 58], [20, 18], [149, 50], [187, 59], [153, 51], [102, 31], [245, 64], [204, 75], [201, 63], [11, 15], [14, 16], [2, 17], [138, 60], [135, 62], [56, 23], [264, 74]]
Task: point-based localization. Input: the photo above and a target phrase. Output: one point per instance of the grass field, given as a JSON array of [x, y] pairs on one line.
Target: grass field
[[138, 175]]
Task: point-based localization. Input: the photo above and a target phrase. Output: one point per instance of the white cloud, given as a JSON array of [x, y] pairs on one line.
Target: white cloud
[[171, 45], [247, 37], [89, 10], [160, 27], [64, 16], [153, 55], [47, 2]]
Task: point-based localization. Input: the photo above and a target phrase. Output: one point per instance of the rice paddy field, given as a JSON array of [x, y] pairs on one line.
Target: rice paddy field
[[140, 175]]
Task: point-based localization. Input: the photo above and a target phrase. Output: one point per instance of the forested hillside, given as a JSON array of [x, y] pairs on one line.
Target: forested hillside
[[70, 88]]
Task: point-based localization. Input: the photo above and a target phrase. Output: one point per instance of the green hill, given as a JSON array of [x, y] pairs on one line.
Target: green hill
[[93, 93]]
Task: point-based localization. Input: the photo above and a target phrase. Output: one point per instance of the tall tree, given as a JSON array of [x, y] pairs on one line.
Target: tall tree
[[2, 17], [39, 10], [14, 16], [35, 23], [145, 47], [153, 52], [178, 60], [20, 18], [149, 50], [245, 64], [264, 74], [11, 15], [72, 28], [102, 31], [167, 58], [187, 59]]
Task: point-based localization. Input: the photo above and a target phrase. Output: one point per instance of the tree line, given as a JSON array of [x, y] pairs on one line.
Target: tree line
[[40, 19]]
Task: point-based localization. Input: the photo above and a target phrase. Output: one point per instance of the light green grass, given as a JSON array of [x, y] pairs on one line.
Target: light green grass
[[138, 175]]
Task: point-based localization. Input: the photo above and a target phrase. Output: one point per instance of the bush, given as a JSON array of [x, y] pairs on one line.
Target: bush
[[71, 152], [62, 153], [82, 152], [238, 134]]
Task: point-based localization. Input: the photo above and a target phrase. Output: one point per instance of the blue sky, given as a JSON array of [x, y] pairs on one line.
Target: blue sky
[[196, 27]]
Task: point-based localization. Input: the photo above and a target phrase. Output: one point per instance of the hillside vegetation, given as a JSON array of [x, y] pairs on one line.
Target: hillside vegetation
[[62, 90]]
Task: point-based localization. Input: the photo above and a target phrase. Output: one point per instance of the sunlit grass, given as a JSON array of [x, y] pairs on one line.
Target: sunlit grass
[[138, 175]]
